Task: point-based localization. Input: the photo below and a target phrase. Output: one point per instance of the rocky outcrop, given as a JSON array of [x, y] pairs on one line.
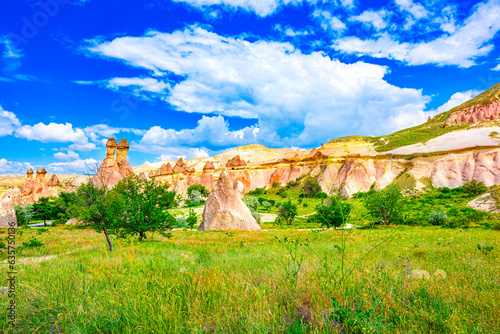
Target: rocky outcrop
[[236, 162], [112, 169], [207, 177], [164, 170], [7, 212], [473, 114], [224, 210], [29, 173], [485, 202], [143, 177]]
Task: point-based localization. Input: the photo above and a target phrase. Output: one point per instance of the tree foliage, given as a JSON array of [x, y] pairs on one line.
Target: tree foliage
[[386, 205], [142, 207], [474, 188], [287, 211], [201, 189], [253, 203], [311, 187], [332, 213]]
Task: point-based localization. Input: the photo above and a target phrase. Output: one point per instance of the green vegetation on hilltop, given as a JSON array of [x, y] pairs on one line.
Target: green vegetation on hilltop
[[421, 133]]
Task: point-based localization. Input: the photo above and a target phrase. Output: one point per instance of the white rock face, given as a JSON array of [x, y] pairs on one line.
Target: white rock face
[[225, 210], [7, 212], [484, 203]]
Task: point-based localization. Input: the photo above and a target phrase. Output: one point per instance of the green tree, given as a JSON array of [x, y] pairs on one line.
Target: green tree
[[474, 188], [287, 211], [386, 205], [96, 205], [253, 203], [142, 207], [311, 187], [334, 212], [192, 219], [201, 189]]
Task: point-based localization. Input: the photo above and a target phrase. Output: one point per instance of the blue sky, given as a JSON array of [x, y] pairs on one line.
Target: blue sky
[[195, 77]]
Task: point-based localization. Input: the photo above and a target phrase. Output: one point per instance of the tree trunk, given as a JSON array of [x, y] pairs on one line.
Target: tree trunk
[[110, 243]]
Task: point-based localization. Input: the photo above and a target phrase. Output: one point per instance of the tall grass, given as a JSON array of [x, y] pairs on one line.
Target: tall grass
[[255, 282]]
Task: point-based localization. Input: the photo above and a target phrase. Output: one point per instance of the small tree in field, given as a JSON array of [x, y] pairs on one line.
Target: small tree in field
[[334, 213], [201, 189], [311, 187], [142, 207], [386, 205], [192, 219], [95, 205], [287, 211]]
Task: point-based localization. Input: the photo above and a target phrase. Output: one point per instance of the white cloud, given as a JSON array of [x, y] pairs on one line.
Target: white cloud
[[457, 99], [369, 17], [105, 130], [76, 166], [82, 147], [147, 84], [298, 99], [52, 133], [328, 21], [8, 122], [13, 167], [418, 11], [69, 156], [496, 68], [212, 131], [462, 48]]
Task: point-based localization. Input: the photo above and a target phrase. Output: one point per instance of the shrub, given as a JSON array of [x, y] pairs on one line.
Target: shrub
[[281, 193], [257, 191], [438, 218], [275, 184], [321, 195], [292, 184], [474, 188], [386, 205], [194, 198], [334, 213], [253, 203], [457, 222], [266, 204], [192, 219], [305, 205], [287, 211], [201, 189], [474, 215], [311, 187], [32, 243], [181, 222]]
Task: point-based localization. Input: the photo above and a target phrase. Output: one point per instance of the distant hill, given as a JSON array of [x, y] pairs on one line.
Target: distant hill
[[475, 112]]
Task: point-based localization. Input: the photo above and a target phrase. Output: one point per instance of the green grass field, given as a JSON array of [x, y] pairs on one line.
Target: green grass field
[[257, 282]]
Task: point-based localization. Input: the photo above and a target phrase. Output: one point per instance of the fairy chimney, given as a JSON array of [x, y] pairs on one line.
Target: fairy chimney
[[123, 147], [40, 173], [54, 181], [29, 174], [111, 147]]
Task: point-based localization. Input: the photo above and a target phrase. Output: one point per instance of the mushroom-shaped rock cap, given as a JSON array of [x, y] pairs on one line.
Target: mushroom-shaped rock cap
[[209, 166], [54, 181], [112, 142], [41, 171], [123, 143], [30, 171]]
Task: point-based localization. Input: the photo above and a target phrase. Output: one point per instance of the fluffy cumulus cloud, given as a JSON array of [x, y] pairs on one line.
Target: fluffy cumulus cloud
[[418, 11], [459, 46], [68, 156], [8, 122], [51, 133], [457, 99], [13, 167], [371, 18], [259, 7], [298, 99]]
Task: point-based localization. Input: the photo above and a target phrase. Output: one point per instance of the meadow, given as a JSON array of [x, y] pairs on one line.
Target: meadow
[[276, 281]]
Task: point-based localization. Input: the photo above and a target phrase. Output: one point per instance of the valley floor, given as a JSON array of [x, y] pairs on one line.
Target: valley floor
[[280, 281]]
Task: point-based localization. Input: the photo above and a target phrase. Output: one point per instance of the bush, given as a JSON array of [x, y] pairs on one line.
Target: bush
[[266, 204], [438, 218], [32, 243], [474, 188], [287, 211], [257, 191], [194, 198], [457, 222], [292, 184], [311, 187], [181, 222], [253, 203], [192, 219], [474, 215], [386, 205], [334, 213], [321, 195], [276, 184], [281, 193], [199, 188]]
